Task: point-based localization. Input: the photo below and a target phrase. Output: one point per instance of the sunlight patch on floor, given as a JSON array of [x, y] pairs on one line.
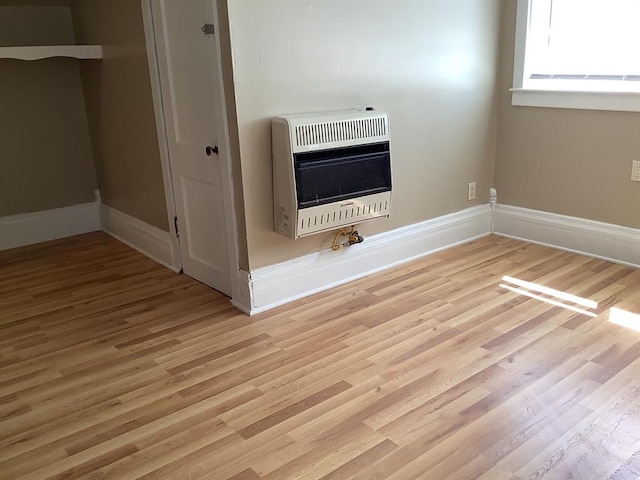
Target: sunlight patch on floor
[[625, 319], [550, 296]]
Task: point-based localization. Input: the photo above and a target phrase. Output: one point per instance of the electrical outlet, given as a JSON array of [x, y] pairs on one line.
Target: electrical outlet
[[472, 191], [635, 171]]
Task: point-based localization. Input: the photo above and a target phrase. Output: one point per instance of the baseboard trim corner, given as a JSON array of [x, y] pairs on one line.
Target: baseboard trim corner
[[606, 241], [29, 228], [139, 235], [242, 301], [278, 284]]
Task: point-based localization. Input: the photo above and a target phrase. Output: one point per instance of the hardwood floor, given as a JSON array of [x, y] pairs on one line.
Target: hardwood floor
[[112, 367]]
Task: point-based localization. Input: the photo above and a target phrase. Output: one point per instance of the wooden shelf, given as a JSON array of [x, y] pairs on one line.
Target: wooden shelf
[[82, 52]]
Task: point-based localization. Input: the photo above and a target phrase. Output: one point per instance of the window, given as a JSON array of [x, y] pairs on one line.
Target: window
[[578, 54]]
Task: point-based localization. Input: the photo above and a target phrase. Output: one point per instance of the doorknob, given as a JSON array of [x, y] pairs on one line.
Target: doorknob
[[211, 150]]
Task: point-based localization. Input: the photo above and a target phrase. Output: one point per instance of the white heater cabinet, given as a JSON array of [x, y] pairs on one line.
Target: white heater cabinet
[[330, 170]]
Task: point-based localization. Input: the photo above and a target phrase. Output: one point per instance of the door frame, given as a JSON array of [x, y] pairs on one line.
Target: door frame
[[224, 155]]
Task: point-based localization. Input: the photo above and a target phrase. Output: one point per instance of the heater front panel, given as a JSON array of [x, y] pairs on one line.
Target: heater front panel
[[339, 174], [336, 215]]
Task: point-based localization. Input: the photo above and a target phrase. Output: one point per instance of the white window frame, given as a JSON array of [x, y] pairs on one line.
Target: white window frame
[[560, 98]]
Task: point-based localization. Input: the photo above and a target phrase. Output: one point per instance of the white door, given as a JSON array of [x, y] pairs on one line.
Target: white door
[[187, 58]]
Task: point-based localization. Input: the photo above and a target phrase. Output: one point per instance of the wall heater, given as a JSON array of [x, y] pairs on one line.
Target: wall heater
[[330, 170]]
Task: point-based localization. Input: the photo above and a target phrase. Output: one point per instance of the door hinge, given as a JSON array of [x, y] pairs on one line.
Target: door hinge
[[208, 29], [175, 222]]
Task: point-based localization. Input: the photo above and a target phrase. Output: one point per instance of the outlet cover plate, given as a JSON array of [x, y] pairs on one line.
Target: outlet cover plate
[[472, 191], [635, 171]]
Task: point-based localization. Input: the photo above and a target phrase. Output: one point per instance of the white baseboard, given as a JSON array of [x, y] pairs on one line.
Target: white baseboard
[[242, 300], [268, 287], [36, 227], [147, 239], [596, 239], [278, 284]]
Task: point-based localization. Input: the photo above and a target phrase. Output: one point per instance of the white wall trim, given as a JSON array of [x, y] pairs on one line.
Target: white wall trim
[[242, 300], [147, 239], [36, 227], [165, 162], [268, 287], [606, 241], [612, 101], [225, 157], [282, 283]]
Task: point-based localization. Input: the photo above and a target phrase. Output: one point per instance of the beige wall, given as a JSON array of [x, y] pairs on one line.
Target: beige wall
[[120, 108], [45, 153], [431, 65], [572, 162]]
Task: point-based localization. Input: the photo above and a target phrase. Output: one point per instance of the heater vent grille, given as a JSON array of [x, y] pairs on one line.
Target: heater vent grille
[[360, 129]]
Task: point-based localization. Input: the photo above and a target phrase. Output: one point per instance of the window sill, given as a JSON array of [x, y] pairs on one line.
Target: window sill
[[612, 101]]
